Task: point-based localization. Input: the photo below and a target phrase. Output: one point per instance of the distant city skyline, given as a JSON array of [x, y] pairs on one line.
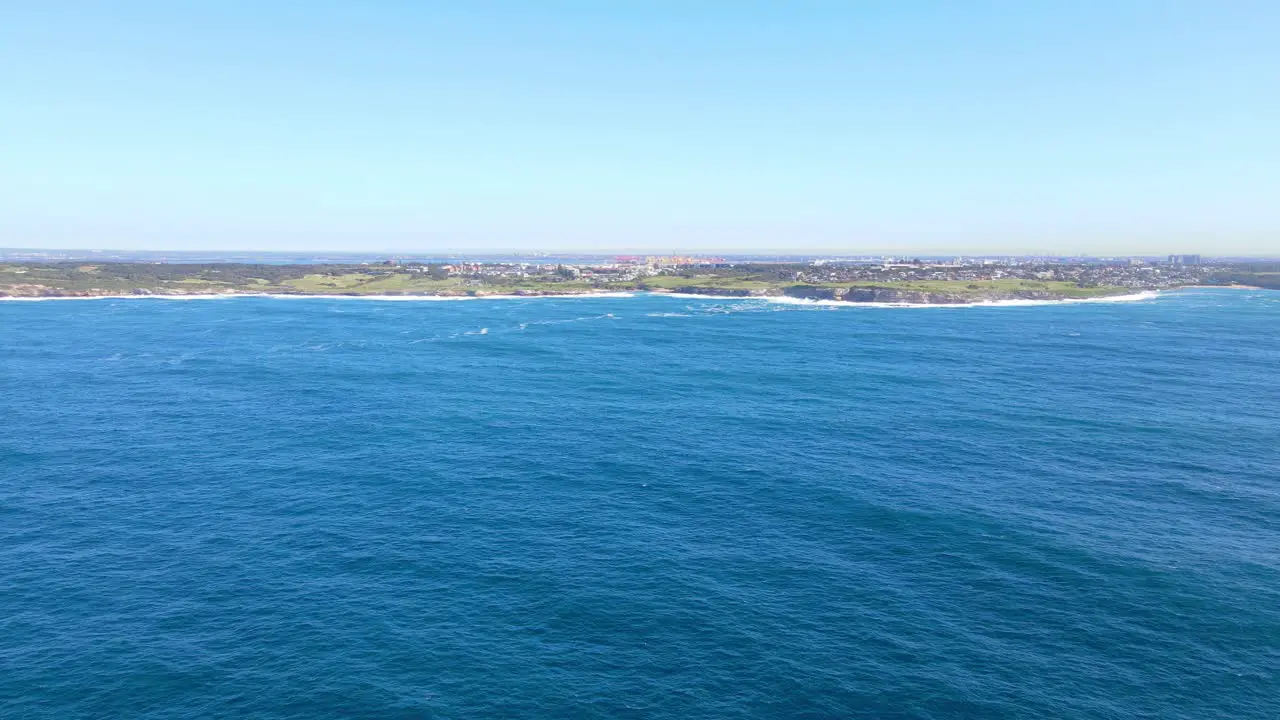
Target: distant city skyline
[[828, 128], [18, 255]]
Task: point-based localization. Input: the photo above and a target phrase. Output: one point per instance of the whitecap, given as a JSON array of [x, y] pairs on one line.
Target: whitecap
[[1013, 302], [208, 296]]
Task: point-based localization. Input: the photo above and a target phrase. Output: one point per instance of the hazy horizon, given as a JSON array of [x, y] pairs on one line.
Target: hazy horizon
[[1101, 128], [1156, 249], [553, 252]]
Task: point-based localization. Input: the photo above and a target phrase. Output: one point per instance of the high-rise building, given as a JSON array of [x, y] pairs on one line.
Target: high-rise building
[[1184, 259]]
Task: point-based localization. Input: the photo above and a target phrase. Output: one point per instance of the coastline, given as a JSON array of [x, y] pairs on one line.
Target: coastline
[[1221, 287], [903, 297], [309, 295], [902, 286], [778, 299]]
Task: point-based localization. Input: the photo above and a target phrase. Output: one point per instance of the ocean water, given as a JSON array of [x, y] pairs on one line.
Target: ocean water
[[639, 507]]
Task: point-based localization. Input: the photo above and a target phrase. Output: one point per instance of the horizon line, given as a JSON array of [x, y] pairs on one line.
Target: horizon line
[[390, 253]]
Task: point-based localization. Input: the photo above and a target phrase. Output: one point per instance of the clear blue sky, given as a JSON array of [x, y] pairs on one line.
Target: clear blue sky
[[611, 125]]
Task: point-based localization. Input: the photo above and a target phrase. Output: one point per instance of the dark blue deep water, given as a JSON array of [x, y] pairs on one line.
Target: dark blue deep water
[[644, 507]]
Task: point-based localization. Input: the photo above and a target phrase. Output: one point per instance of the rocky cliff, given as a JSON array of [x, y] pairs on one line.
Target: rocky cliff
[[913, 297], [877, 294]]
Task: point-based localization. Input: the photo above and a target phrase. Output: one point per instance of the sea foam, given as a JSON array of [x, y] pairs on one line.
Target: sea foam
[[776, 299]]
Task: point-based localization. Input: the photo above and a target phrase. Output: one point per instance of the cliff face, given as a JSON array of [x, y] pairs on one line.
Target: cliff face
[[725, 292], [31, 290], [869, 294], [913, 297], [46, 291], [876, 294]]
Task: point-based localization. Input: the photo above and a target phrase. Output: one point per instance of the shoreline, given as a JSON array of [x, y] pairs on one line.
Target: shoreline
[[1136, 295], [1220, 287], [777, 299], [303, 296]]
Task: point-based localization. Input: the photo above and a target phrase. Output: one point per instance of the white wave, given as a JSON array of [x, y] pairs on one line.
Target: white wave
[[700, 296], [207, 296], [1013, 302], [1134, 297], [392, 298], [785, 300], [775, 299], [446, 298], [287, 296], [606, 316]]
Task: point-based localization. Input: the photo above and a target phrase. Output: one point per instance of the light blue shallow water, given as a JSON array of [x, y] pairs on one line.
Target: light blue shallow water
[[646, 507]]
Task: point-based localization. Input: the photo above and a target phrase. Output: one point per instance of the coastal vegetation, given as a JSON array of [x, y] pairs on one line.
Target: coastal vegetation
[[915, 283], [959, 287], [1263, 275]]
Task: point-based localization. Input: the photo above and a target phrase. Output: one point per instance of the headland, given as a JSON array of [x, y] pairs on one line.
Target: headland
[[910, 282]]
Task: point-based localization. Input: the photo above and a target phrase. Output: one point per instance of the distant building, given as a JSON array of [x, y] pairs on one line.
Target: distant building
[[675, 260], [1184, 259]]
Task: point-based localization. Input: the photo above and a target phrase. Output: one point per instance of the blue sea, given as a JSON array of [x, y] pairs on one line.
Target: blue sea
[[639, 507]]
